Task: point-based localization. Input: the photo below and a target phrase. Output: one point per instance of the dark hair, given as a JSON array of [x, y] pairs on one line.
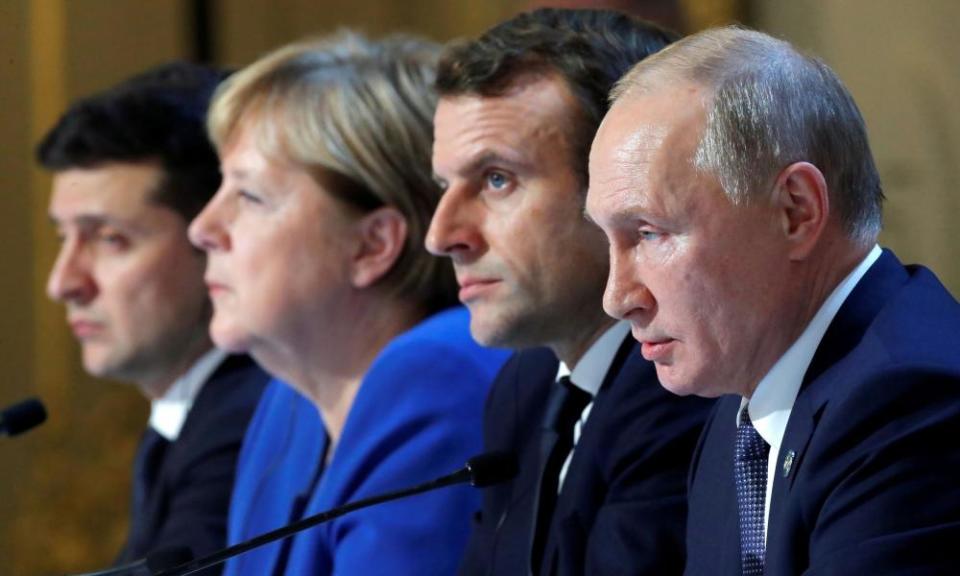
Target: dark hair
[[590, 49], [158, 116]]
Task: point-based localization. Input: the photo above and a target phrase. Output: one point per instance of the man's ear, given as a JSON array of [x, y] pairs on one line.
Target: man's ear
[[382, 235], [803, 201]]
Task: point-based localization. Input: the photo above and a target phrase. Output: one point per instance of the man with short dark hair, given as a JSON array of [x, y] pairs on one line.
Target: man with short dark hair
[[131, 167], [734, 181], [603, 449]]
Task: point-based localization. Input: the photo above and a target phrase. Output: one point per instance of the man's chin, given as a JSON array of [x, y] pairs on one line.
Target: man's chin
[[682, 384], [500, 332], [106, 369], [98, 364], [489, 334], [672, 381]]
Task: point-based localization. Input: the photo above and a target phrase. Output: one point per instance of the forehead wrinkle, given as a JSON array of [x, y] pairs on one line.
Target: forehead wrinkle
[[494, 137], [525, 126], [627, 161]]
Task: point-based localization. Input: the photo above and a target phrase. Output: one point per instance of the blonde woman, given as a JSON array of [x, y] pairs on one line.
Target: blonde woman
[[316, 267]]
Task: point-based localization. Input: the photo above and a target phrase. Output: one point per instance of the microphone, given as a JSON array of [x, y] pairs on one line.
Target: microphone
[[153, 563], [22, 416], [480, 471]]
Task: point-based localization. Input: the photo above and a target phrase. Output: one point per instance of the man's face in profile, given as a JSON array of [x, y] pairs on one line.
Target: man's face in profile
[[701, 280], [530, 267], [131, 282]]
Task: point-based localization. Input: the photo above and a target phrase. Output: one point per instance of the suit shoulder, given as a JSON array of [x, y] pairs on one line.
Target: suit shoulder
[[226, 403], [237, 380], [525, 379], [920, 324]]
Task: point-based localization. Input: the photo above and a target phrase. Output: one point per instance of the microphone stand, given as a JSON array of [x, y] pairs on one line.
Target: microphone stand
[[481, 470]]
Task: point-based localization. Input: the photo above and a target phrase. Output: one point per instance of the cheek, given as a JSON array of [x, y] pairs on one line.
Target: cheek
[[549, 246], [258, 273], [288, 283]]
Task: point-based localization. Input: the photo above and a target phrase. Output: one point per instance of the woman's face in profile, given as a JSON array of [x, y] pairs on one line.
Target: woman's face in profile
[[279, 250]]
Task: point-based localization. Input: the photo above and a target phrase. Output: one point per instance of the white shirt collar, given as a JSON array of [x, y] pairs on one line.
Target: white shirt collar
[[169, 412], [774, 396], [773, 399], [592, 368]]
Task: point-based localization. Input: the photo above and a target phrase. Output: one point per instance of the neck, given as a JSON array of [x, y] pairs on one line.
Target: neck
[[331, 371], [572, 349], [819, 276], [155, 384]]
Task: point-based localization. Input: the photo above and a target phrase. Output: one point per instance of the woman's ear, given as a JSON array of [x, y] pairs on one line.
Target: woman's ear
[[382, 235], [804, 204]]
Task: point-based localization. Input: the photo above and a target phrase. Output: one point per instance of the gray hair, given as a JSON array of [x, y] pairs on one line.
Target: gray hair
[[358, 115], [770, 106]]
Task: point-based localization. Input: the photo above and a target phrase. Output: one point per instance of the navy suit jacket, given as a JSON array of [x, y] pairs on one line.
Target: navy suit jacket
[[868, 476], [623, 503], [188, 504]]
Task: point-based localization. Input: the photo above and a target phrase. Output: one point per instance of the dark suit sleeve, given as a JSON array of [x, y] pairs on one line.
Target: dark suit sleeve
[[888, 487], [498, 434], [198, 491]]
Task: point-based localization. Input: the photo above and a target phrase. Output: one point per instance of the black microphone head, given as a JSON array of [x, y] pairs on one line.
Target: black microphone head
[[166, 558], [22, 416], [492, 468]]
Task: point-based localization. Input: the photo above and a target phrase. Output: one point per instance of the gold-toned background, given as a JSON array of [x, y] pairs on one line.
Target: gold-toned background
[[64, 487]]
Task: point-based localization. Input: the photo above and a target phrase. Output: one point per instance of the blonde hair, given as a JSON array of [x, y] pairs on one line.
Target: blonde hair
[[358, 115]]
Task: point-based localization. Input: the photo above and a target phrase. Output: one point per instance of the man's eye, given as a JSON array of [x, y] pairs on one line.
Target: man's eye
[[113, 239], [647, 235], [497, 181]]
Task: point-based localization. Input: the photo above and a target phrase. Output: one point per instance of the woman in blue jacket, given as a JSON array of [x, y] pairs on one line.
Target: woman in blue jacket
[[316, 267]]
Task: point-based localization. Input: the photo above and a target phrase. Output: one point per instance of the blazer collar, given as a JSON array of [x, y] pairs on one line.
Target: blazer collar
[[850, 324]]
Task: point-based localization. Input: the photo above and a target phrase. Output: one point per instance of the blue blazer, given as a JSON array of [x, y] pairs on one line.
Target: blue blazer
[[623, 504], [868, 476], [416, 416], [188, 505]]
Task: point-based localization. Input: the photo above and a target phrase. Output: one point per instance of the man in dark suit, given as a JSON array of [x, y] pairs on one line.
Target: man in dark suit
[[735, 183], [131, 167], [603, 448]]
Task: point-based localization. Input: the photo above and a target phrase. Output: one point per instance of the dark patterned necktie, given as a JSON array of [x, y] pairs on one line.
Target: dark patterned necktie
[[750, 471], [564, 408]]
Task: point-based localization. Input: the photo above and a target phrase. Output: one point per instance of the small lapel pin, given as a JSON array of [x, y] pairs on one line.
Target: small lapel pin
[[788, 462]]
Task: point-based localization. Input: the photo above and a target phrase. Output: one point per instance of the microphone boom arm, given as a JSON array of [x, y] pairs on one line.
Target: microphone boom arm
[[460, 476]]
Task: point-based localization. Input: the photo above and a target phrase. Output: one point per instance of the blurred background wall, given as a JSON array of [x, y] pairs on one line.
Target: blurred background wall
[[64, 487]]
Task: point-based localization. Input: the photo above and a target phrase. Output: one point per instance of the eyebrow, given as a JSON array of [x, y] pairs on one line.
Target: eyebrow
[[488, 158], [91, 221]]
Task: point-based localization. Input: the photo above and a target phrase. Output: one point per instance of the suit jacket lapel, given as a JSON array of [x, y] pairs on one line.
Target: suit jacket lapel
[[845, 332], [566, 519], [535, 376]]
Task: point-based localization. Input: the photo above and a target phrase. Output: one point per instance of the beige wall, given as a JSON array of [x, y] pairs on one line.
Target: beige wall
[[901, 62], [65, 485]]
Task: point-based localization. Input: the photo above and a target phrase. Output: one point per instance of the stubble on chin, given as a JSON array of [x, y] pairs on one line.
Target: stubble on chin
[[511, 329]]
